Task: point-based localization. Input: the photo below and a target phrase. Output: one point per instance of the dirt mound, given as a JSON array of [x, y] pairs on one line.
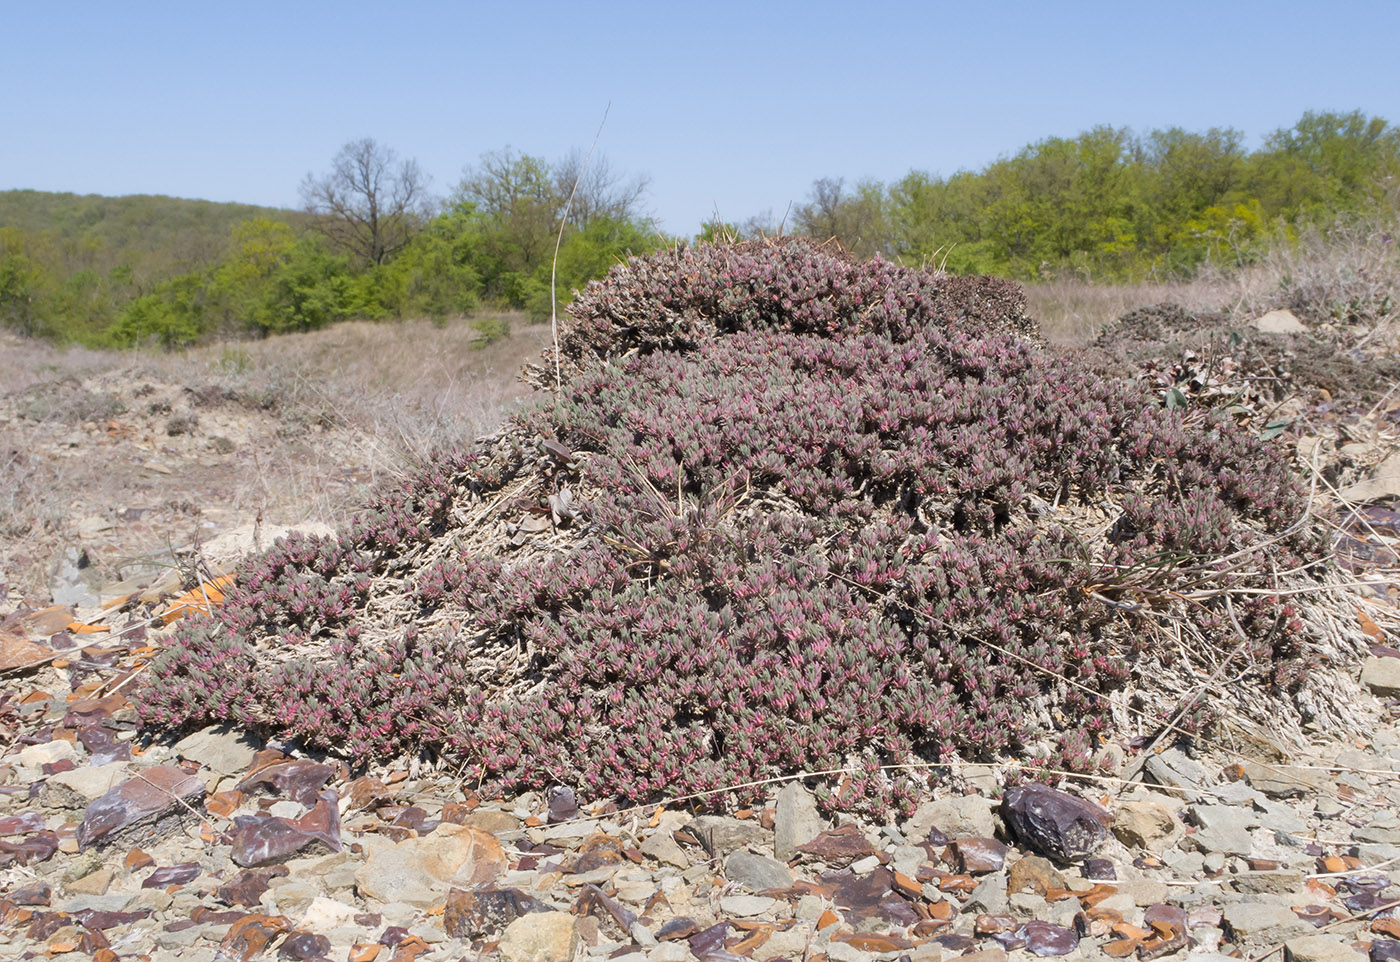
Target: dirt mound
[[789, 512]]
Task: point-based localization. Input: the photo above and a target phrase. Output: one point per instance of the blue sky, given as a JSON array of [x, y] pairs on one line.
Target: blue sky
[[728, 107]]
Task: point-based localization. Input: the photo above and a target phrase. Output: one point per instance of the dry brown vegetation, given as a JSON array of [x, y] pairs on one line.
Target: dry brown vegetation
[[135, 454]]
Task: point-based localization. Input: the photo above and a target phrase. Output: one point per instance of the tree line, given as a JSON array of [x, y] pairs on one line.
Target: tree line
[[372, 242]]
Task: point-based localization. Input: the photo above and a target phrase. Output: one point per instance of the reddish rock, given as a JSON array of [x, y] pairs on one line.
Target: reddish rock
[[37, 848], [172, 875], [25, 824], [1055, 823], [1036, 875], [137, 860], [679, 928], [1043, 938], [260, 841], [250, 936], [840, 845], [366, 792], [34, 893], [137, 803], [297, 779], [874, 942], [247, 888], [977, 856]]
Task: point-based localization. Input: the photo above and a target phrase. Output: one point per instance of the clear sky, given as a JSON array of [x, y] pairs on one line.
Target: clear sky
[[733, 107]]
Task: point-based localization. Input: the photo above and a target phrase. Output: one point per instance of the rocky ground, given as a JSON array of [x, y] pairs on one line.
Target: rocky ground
[[219, 847]]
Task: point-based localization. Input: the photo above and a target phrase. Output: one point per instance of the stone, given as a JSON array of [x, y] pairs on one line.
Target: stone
[[1223, 828], [47, 753], [220, 749], [1175, 768], [323, 914], [977, 856], [1054, 823], [418, 870], [483, 912], [1145, 825], [263, 841], [1281, 321], [1319, 948], [80, 787], [840, 845], [1044, 939], [1036, 875], [1282, 781], [304, 945], [492, 821], [137, 803], [960, 816], [1280, 818], [795, 821], [540, 937], [93, 883], [1381, 675], [297, 779], [755, 872], [745, 906], [663, 847], [172, 875], [720, 835], [250, 935], [989, 897], [1257, 923], [73, 580], [16, 651]]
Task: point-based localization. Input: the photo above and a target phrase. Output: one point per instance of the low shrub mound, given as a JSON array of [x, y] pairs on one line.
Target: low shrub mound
[[784, 512]]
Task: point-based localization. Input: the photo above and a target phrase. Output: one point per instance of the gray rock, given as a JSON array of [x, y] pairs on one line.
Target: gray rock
[[219, 749], [1327, 807], [960, 816], [1278, 882], [1381, 675], [1237, 793], [1384, 482], [1319, 948], [1223, 828], [1383, 830], [1256, 923], [795, 821], [1283, 781], [755, 872], [721, 835], [662, 847], [73, 580], [746, 906], [1174, 767], [79, 786], [1280, 817], [989, 897]]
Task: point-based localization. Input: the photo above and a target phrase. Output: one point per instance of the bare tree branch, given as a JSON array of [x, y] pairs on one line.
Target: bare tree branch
[[370, 203]]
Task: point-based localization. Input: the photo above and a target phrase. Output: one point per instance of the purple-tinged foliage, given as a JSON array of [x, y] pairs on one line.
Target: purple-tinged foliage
[[829, 514]]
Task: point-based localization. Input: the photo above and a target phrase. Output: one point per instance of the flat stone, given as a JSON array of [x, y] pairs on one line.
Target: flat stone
[[755, 872], [73, 580], [1260, 922], [1223, 828], [492, 821], [295, 778], [1035, 875], [1055, 823], [79, 787], [663, 847], [721, 835], [138, 802], [1145, 825], [47, 753], [323, 914], [989, 897], [977, 856], [1175, 768], [419, 870], [540, 937], [1319, 948], [960, 816], [746, 906], [1381, 675], [482, 912], [1384, 830], [1281, 321], [1283, 781], [840, 845], [795, 821], [262, 841], [1280, 817], [220, 749]]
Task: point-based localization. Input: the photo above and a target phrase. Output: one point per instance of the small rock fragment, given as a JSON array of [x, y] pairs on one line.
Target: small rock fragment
[[482, 912], [977, 856], [755, 872], [138, 802], [795, 821], [250, 935], [297, 779], [839, 845], [172, 875], [1044, 938], [540, 937]]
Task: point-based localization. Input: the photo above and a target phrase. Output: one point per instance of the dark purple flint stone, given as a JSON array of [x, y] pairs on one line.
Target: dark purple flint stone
[[1100, 870], [708, 941], [172, 875], [36, 848], [247, 888], [562, 804], [1385, 950], [977, 856], [304, 945], [1044, 938], [1055, 823]]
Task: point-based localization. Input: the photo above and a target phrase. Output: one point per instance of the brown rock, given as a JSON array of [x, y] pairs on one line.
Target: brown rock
[[540, 937], [250, 936], [1034, 874], [418, 870], [977, 856], [483, 912], [839, 845], [247, 888]]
